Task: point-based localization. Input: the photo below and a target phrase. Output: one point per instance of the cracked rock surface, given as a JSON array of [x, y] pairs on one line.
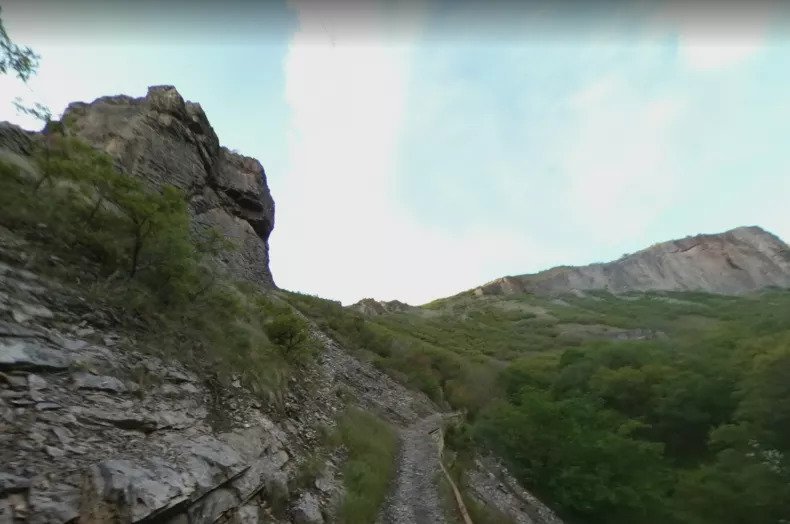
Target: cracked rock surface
[[164, 139], [93, 431]]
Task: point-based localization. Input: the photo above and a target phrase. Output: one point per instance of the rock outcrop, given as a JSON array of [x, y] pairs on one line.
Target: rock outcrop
[[738, 261], [490, 483], [372, 307], [165, 140]]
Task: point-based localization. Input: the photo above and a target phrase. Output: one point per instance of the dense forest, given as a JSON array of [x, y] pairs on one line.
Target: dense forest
[[657, 407]]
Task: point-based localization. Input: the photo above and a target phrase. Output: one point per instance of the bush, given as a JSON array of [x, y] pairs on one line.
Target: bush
[[291, 334]]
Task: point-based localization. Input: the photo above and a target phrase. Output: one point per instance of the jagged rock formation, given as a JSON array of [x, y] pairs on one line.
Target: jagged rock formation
[[372, 307], [738, 261], [166, 140]]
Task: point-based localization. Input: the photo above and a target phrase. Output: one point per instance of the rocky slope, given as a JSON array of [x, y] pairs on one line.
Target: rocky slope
[[373, 307], [738, 261], [166, 140], [93, 430]]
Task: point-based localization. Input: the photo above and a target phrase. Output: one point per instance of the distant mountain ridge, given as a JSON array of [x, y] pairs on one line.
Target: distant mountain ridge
[[735, 262], [373, 307]]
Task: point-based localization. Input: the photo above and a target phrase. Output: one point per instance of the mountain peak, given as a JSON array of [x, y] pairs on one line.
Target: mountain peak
[[734, 262]]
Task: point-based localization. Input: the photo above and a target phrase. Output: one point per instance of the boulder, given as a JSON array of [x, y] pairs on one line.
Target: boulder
[[307, 510]]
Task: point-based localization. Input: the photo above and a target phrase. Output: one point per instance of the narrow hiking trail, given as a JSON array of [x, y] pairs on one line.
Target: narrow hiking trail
[[414, 498], [414, 492]]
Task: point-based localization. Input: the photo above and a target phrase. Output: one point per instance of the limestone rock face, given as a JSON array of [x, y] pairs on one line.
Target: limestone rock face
[[738, 261], [165, 140]]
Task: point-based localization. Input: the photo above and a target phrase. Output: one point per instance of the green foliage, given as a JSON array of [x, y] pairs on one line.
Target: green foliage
[[605, 430], [742, 486], [135, 246], [443, 375], [585, 456], [765, 394], [19, 59], [292, 335], [372, 447], [38, 111]]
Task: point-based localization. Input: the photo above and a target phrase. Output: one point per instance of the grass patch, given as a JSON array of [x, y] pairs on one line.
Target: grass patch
[[372, 447]]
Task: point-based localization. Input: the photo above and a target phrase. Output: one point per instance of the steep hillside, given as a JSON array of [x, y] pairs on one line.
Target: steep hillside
[[739, 261], [636, 407], [151, 372]]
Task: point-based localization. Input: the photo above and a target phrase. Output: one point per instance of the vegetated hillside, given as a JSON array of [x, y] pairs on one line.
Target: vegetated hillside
[[637, 407], [738, 261], [146, 375]]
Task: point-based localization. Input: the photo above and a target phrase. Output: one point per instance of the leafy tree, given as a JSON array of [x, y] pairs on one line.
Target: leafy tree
[[765, 393], [742, 486], [579, 452]]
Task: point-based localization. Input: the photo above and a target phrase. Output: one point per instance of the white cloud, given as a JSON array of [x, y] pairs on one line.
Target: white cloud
[[714, 37], [619, 165], [706, 53], [340, 232]]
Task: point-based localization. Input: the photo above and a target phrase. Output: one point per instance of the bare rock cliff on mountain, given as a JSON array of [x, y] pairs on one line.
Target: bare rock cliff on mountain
[[738, 261], [372, 307], [166, 140]]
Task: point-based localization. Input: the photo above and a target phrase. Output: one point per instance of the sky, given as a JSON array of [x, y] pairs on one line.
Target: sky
[[418, 149]]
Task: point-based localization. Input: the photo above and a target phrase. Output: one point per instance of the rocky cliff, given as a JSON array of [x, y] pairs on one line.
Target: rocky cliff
[[166, 140], [738, 261]]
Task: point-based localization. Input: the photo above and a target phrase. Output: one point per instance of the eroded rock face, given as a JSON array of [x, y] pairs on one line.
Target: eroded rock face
[[165, 140], [372, 307], [738, 261], [93, 431]]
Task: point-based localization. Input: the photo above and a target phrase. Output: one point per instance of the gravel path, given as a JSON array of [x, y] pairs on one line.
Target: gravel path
[[415, 495]]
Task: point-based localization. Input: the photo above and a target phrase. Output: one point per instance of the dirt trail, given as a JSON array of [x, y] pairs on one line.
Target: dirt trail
[[415, 496]]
